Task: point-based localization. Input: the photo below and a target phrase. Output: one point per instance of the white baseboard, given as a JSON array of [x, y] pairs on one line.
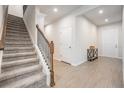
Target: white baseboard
[[73, 63], [110, 56], [77, 63]]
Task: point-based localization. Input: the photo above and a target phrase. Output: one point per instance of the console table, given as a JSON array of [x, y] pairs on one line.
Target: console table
[[92, 54]]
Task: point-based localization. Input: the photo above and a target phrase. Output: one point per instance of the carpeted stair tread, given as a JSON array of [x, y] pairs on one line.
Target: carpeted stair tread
[[17, 48], [32, 63], [17, 72], [16, 31], [18, 62], [26, 82], [16, 37], [18, 54]]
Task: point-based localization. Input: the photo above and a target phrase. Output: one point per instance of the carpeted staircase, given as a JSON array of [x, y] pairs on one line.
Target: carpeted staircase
[[20, 66]]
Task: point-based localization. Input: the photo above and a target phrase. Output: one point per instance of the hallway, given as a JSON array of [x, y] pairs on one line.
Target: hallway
[[102, 73]]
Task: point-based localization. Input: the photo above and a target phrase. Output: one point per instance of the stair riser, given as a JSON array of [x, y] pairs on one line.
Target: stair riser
[[15, 20], [18, 51], [20, 73], [17, 38], [20, 27], [14, 17], [19, 62], [9, 41], [18, 48], [15, 24], [10, 20], [16, 31], [7, 82], [18, 58], [18, 43], [18, 55], [28, 45], [18, 66], [17, 35]]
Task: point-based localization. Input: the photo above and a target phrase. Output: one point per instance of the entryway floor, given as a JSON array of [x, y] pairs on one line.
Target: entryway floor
[[102, 73]]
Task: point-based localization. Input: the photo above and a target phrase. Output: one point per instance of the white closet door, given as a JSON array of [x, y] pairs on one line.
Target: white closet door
[[110, 42], [65, 43]]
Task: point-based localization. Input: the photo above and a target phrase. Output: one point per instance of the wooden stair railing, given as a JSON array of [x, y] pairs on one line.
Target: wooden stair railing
[[51, 50], [2, 41]]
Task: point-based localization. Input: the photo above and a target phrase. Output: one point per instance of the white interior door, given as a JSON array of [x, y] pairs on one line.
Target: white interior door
[[110, 43], [65, 43]]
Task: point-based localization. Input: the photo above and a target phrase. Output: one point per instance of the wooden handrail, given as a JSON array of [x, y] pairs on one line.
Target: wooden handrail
[[38, 28], [51, 47], [2, 41]]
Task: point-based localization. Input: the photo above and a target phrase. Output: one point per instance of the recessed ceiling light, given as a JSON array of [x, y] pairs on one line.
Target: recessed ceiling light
[[55, 10], [106, 20], [100, 11]]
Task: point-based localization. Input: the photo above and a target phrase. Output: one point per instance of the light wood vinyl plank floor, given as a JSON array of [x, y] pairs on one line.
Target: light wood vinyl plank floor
[[102, 73]]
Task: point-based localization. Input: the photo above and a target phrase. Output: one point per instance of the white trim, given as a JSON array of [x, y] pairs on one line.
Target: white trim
[[76, 63], [110, 56]]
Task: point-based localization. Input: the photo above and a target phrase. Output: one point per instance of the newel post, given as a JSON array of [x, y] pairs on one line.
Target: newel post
[[52, 82]]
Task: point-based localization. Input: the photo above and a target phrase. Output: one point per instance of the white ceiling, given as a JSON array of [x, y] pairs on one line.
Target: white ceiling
[[53, 16], [112, 12]]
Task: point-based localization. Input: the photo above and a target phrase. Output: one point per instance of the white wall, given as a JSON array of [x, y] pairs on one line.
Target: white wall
[[86, 35], [110, 40], [54, 32], [30, 22], [67, 50], [16, 10]]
